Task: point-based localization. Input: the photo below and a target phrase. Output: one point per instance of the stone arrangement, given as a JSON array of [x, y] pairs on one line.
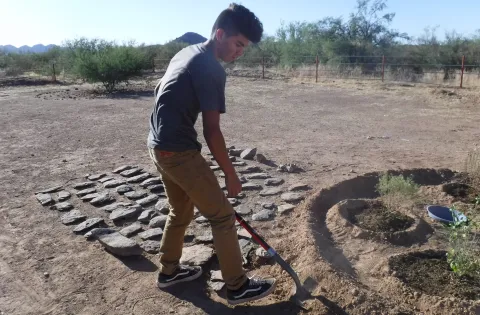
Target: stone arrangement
[[133, 208]]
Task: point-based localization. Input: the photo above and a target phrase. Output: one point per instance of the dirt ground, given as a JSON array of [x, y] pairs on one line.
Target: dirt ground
[[335, 131]]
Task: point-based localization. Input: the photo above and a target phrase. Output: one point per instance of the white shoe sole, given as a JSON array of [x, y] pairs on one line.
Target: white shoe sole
[[169, 284], [254, 298]]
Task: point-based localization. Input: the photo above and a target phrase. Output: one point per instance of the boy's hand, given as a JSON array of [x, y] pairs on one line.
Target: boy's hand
[[234, 186]]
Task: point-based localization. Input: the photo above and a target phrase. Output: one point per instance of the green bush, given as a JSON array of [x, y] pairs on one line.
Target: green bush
[[397, 190]]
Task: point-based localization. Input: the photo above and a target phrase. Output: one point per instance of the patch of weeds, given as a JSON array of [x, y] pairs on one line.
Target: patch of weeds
[[396, 191]]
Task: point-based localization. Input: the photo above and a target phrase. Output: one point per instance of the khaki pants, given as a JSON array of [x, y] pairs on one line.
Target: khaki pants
[[189, 181]]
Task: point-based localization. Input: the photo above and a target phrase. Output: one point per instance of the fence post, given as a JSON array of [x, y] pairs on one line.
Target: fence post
[[263, 67], [54, 76], [463, 70], [316, 69], [383, 68]]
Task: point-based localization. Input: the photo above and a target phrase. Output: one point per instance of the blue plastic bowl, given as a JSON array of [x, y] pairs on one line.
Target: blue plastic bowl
[[445, 214]]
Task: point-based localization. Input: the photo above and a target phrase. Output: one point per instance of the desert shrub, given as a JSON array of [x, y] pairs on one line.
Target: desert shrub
[[397, 190], [472, 168]]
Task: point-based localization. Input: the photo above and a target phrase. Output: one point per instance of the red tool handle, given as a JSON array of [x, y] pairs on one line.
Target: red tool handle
[[254, 234]]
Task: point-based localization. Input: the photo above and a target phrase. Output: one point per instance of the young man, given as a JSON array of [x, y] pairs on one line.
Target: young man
[[194, 83]]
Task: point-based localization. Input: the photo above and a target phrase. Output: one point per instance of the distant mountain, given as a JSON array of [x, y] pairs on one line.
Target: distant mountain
[[191, 38], [26, 49]]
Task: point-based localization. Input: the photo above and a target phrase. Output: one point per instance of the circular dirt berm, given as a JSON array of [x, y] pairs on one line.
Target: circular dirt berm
[[369, 219], [460, 191], [429, 272]]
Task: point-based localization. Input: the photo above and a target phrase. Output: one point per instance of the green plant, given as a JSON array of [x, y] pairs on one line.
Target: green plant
[[463, 254], [397, 190]]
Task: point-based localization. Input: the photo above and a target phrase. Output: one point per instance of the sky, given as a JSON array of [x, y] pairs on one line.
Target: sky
[[30, 22]]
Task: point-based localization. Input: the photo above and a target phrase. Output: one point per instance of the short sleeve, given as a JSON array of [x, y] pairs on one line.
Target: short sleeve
[[209, 86]]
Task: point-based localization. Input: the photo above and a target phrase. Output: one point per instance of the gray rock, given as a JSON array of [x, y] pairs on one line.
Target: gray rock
[[62, 206], [44, 199], [263, 215], [131, 172], [289, 168], [251, 186], [258, 176], [123, 189], [95, 233], [292, 197], [120, 245], [85, 192], [101, 200], [246, 247], [125, 213], [274, 181], [243, 210], [158, 222], [285, 209], [156, 188], [216, 275], [151, 233], [147, 215], [271, 192], [151, 247], [233, 201], [269, 205], [134, 195], [131, 230], [144, 202], [241, 195], [235, 152], [201, 220], [298, 187], [250, 169], [261, 253], [87, 225], [89, 197], [151, 181], [113, 183], [96, 176], [215, 168], [248, 154], [105, 179], [163, 206], [205, 238], [260, 158], [196, 255], [50, 190], [138, 178], [73, 216], [239, 163], [83, 185], [216, 286], [122, 168], [115, 206], [64, 195]]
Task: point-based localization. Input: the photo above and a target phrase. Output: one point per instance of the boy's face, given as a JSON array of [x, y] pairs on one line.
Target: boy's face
[[230, 47]]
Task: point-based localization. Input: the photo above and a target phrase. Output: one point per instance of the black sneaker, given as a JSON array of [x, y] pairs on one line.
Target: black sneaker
[[253, 289], [182, 274]]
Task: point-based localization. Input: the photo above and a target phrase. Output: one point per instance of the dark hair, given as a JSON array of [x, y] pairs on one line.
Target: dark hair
[[238, 19]]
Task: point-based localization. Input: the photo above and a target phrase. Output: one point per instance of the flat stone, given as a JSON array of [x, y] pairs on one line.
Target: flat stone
[[85, 192], [115, 206], [232, 158], [205, 238], [139, 178], [216, 286], [101, 200], [122, 168], [251, 186], [258, 176], [147, 200], [269, 205], [159, 188], [87, 225], [271, 192], [83, 185], [261, 253], [44, 199], [242, 233], [250, 169], [289, 168], [71, 217], [285, 209], [151, 233], [241, 195], [274, 181], [298, 187], [239, 163], [131, 230], [50, 190], [260, 158], [96, 176], [196, 255], [263, 215], [105, 179], [201, 220], [134, 195], [248, 154], [131, 172], [233, 201], [163, 206], [94, 233], [158, 222], [246, 247], [151, 181], [216, 275], [113, 183], [125, 213], [64, 195], [62, 206], [151, 247], [243, 210], [147, 215], [120, 245], [89, 197], [235, 152], [292, 197], [123, 189], [215, 168]]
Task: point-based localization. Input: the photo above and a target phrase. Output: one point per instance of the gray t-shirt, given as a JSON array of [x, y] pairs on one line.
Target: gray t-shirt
[[194, 82]]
